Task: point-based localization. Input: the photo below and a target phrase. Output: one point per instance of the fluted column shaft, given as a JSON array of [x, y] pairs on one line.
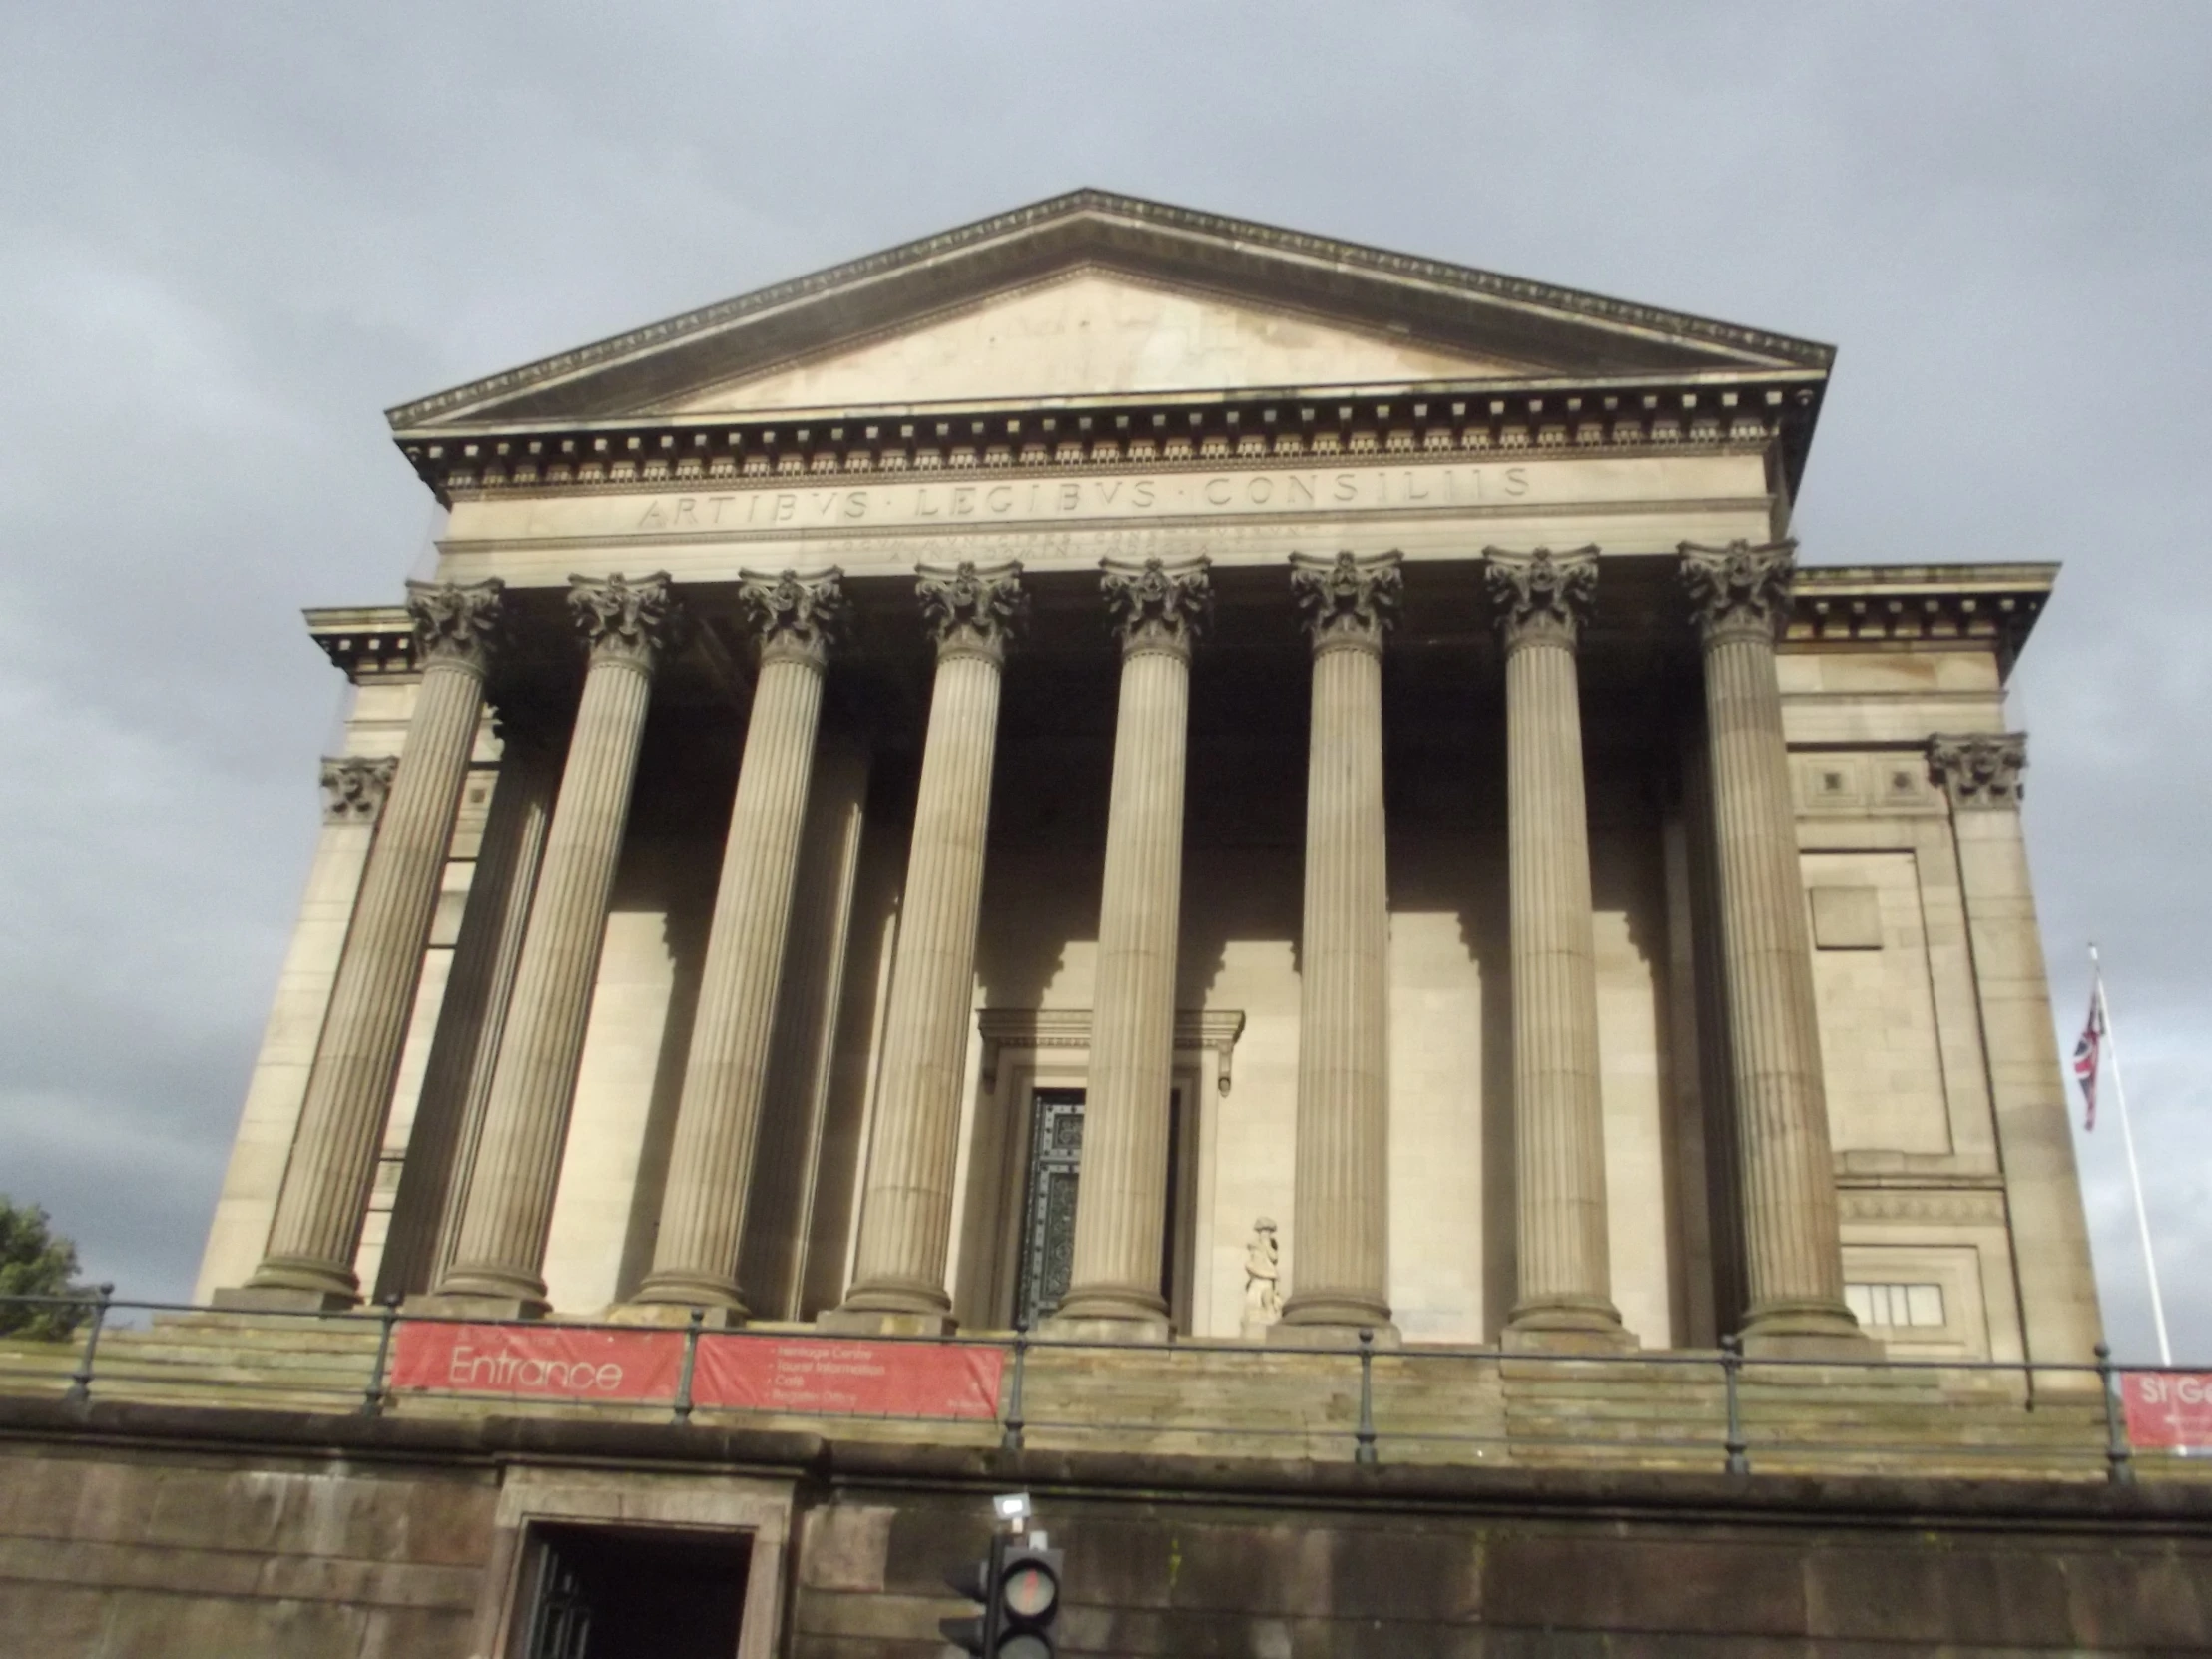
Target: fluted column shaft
[[907, 1201], [1566, 1271], [787, 1158], [1792, 1246], [1121, 1195], [325, 1198], [456, 1081], [496, 1262], [718, 1118], [1339, 1237]]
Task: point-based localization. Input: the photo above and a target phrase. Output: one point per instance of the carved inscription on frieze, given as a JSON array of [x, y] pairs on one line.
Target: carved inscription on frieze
[[1025, 499], [799, 507]]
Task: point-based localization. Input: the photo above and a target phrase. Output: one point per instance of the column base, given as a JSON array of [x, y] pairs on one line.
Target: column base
[[484, 1292], [890, 1307], [714, 1315], [1286, 1332], [1581, 1325], [1807, 1331], [669, 1299], [283, 1299], [468, 1304], [1076, 1328], [883, 1322], [1110, 1304]]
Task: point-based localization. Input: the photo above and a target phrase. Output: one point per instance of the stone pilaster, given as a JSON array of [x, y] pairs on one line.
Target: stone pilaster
[[311, 1242], [1544, 601], [1981, 772], [695, 1257], [1793, 1258], [906, 1199], [1339, 1237], [456, 1081], [629, 626], [1121, 1203]]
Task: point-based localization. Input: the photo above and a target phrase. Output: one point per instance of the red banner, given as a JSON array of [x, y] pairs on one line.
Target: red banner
[[807, 1373], [796, 1375], [548, 1362], [2168, 1411]]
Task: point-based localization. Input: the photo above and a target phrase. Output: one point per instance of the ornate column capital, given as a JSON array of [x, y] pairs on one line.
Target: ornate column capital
[[1350, 602], [971, 611], [354, 787], [796, 617], [1980, 768], [626, 620], [1740, 591], [456, 622], [1543, 598], [1156, 606]]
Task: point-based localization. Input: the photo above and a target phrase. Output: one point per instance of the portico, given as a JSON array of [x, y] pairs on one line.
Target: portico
[[1371, 732]]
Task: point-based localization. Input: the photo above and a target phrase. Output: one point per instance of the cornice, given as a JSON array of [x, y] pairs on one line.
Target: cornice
[[1993, 604], [1295, 426], [371, 642], [1212, 233]]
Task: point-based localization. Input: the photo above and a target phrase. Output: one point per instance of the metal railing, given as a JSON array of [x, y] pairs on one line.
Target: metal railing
[[1436, 1403]]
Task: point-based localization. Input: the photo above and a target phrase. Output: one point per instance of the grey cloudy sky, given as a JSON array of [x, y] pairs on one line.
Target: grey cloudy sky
[[230, 236]]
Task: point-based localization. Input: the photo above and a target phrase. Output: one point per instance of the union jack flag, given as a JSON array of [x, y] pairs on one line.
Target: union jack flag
[[2087, 1052]]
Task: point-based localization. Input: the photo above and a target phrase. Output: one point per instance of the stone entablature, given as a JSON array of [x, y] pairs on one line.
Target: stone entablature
[[1322, 425]]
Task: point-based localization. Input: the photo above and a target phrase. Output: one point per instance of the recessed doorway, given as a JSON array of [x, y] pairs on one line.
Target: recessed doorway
[[1046, 1242], [636, 1593]]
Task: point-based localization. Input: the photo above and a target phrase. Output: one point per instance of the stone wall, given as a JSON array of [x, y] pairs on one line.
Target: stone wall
[[119, 1548], [128, 1530]]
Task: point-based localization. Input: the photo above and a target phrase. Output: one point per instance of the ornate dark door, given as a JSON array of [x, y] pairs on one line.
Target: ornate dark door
[[1049, 1215], [561, 1627]]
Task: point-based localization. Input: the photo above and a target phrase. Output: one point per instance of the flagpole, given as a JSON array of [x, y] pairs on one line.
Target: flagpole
[[2134, 1172]]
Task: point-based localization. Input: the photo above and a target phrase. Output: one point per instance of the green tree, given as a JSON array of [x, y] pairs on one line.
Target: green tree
[[33, 1261]]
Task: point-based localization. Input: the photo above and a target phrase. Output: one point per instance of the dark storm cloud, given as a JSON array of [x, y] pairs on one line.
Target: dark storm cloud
[[230, 236]]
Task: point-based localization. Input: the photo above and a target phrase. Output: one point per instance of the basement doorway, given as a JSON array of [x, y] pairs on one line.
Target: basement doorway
[[636, 1593]]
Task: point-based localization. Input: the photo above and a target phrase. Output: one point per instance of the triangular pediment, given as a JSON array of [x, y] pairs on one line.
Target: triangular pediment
[[1093, 332], [1091, 296]]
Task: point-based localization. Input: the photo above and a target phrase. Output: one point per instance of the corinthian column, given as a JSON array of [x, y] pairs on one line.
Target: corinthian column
[[1793, 1264], [695, 1258], [1121, 1198], [906, 1203], [629, 626], [1340, 1220], [318, 1227], [2042, 1189], [456, 1081], [1544, 601]]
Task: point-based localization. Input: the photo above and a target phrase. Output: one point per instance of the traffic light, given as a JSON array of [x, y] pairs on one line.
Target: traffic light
[[1018, 1589], [1028, 1602]]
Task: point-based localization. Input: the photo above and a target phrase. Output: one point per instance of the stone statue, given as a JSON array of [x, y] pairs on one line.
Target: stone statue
[[1263, 1302]]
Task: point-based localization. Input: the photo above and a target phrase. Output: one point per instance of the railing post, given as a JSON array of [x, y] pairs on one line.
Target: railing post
[[1731, 1362], [683, 1407], [80, 1383], [1010, 1440], [1363, 1447], [2119, 1456], [372, 1397]]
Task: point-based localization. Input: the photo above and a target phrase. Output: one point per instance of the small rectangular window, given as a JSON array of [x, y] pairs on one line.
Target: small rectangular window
[[1896, 1306]]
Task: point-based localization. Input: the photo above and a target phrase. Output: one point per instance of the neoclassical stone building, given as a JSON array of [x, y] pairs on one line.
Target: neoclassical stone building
[[1129, 767]]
